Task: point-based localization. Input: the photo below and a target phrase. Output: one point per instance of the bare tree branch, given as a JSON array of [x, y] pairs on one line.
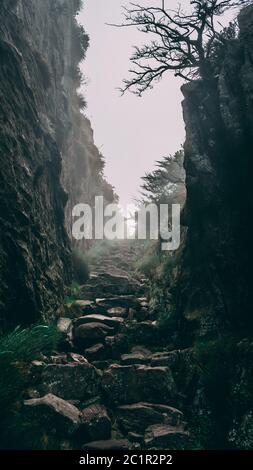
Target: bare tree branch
[[184, 41]]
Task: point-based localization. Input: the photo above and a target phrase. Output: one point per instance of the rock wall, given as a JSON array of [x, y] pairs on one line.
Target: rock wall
[[214, 288], [47, 152]]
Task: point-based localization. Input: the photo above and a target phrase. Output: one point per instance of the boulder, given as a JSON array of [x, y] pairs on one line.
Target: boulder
[[64, 325], [54, 414], [92, 331], [113, 444], [96, 423], [73, 381], [139, 416], [135, 383], [166, 437]]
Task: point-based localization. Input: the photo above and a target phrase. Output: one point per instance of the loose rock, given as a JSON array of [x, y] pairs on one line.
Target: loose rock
[[54, 414]]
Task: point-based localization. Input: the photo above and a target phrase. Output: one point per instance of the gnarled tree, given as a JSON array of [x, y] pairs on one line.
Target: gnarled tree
[[182, 41]]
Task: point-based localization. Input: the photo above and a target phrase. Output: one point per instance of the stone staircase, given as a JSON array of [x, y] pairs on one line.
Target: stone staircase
[[111, 387]]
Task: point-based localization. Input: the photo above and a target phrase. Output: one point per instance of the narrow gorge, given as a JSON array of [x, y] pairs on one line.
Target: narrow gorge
[[116, 345]]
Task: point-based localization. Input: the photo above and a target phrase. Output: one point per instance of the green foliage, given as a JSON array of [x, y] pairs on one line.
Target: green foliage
[[73, 294], [80, 266], [24, 344], [218, 48], [160, 185], [17, 350], [75, 288], [149, 262], [80, 42], [161, 301]]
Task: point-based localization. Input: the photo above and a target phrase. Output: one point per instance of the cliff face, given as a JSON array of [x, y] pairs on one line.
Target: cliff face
[[47, 152], [215, 288]]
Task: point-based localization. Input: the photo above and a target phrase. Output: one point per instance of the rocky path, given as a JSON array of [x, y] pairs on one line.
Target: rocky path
[[111, 386]]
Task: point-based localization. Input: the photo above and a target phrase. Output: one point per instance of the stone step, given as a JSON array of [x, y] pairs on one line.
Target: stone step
[[71, 381], [53, 413], [125, 301], [113, 322], [115, 389], [134, 383], [138, 417]]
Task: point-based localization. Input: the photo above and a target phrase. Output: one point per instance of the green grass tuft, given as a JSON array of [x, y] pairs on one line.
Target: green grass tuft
[[17, 350]]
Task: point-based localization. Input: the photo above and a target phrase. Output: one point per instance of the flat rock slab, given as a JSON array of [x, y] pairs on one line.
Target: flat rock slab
[[113, 444], [166, 437], [134, 358], [54, 414], [138, 417], [74, 381], [98, 318], [125, 301], [135, 383]]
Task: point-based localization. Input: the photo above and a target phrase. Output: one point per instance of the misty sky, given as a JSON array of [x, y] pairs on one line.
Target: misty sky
[[131, 132]]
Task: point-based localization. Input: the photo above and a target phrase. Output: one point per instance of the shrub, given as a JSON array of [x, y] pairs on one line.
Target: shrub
[[80, 267], [82, 103], [80, 42], [150, 261], [78, 5]]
